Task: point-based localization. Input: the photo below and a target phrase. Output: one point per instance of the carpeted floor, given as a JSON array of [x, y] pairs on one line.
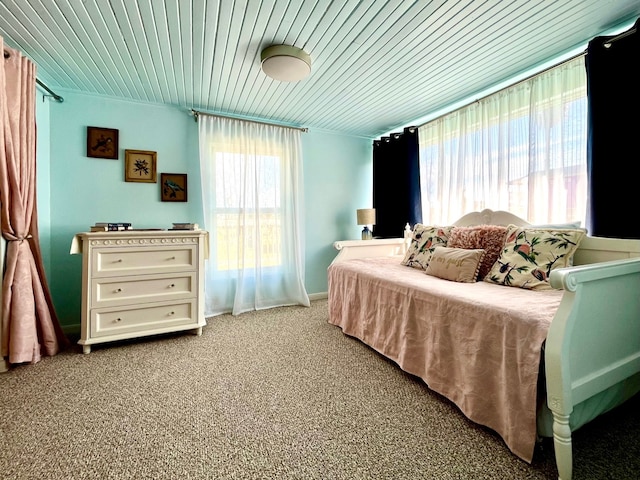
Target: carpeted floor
[[275, 394]]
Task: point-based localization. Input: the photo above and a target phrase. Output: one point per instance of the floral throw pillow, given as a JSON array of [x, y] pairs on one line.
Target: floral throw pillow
[[424, 240], [530, 255]]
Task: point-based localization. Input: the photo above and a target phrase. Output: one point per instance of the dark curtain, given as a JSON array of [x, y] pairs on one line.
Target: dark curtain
[[396, 183], [613, 163]]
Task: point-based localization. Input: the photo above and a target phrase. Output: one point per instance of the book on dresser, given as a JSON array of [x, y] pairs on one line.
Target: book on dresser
[[110, 226], [184, 226]]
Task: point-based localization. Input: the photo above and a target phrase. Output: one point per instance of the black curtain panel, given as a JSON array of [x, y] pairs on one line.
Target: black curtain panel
[[396, 183], [613, 159]]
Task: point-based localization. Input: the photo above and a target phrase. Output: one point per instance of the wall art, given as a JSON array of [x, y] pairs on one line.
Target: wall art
[[102, 143], [140, 166], [173, 187]]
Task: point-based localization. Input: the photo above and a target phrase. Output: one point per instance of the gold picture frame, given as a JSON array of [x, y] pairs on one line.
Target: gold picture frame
[[140, 166], [102, 143], [173, 187]]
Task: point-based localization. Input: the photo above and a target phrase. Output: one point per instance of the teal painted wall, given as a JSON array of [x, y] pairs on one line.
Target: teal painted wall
[[82, 190], [338, 180]]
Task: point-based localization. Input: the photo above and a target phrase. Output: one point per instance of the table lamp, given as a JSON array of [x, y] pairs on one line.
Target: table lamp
[[366, 217]]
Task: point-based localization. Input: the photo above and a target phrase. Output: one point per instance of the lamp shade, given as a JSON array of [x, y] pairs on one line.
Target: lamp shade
[[286, 63], [366, 216]]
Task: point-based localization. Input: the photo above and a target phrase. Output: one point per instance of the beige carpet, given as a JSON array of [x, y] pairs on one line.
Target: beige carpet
[[275, 394]]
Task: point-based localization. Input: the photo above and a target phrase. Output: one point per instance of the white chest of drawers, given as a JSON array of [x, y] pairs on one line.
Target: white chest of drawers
[[138, 283]]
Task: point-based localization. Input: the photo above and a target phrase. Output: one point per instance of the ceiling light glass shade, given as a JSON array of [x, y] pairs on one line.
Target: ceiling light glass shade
[[286, 63]]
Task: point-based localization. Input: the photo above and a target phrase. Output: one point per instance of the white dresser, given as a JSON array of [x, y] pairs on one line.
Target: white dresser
[[140, 282]]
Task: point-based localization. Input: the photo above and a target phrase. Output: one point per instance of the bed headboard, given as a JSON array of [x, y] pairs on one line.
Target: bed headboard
[[591, 250], [490, 217]]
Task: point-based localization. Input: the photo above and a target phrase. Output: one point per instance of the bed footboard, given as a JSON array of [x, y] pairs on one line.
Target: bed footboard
[[593, 341]]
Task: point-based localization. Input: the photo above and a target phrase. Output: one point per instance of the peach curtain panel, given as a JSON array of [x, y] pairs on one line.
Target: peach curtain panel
[[30, 326]]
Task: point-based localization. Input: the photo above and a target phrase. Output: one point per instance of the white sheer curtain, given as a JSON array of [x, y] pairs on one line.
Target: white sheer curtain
[[252, 196], [522, 149]]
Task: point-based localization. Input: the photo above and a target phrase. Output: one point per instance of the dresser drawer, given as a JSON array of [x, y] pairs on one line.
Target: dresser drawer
[[152, 318], [112, 291], [143, 260]]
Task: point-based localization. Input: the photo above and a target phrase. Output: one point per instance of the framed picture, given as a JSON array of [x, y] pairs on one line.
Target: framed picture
[[140, 166], [102, 142], [173, 187]]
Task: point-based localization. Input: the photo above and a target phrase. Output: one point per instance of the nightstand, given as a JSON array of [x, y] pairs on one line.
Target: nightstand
[[378, 247]]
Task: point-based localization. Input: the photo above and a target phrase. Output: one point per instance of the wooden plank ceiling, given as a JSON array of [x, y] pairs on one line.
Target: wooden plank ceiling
[[376, 65]]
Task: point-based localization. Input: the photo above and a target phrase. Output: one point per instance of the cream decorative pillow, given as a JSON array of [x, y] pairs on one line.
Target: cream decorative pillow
[[530, 255], [489, 238], [424, 240], [457, 264]]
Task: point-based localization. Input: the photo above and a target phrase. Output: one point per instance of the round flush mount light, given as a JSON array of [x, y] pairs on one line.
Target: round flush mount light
[[286, 63]]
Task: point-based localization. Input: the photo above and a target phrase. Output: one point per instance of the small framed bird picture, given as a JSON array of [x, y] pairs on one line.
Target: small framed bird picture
[[102, 143], [173, 187], [140, 166]]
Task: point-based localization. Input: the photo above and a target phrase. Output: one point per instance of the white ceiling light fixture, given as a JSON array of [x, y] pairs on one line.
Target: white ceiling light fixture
[[286, 63]]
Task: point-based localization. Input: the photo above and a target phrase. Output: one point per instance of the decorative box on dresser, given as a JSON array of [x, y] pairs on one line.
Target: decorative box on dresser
[[140, 282]]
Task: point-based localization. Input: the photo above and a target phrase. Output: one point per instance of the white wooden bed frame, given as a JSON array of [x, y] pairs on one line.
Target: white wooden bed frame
[[593, 342]]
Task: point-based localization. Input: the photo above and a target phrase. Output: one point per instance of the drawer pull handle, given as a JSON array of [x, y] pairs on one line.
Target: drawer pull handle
[[118, 290], [172, 285], [118, 320], [172, 258], [172, 313], [118, 261]]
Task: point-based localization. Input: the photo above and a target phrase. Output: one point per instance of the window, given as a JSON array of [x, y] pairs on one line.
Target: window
[[522, 149], [248, 222], [251, 177]]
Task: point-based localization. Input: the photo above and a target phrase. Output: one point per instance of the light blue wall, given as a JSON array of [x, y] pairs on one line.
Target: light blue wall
[[338, 180], [337, 171]]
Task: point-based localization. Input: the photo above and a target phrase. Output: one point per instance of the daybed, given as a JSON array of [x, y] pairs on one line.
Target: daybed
[[528, 360]]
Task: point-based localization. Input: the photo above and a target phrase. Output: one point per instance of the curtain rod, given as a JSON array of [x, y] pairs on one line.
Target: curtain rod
[[608, 43], [57, 97], [529, 77], [195, 114]]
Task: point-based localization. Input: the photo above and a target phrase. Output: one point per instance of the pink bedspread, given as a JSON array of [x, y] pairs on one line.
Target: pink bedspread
[[478, 344]]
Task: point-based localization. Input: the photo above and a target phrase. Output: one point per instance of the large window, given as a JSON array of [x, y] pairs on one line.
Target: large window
[[522, 149], [252, 189], [248, 222]]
